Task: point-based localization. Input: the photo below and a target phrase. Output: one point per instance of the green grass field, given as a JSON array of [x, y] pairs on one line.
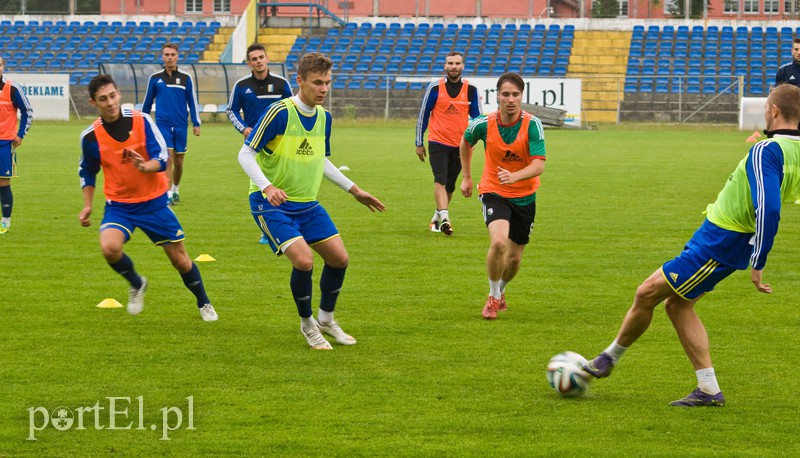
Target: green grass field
[[429, 377]]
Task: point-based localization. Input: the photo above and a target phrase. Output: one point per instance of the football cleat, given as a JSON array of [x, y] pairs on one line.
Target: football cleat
[[332, 329], [207, 313], [502, 307], [3, 228], [491, 307], [434, 227], [315, 339], [136, 298], [446, 228], [176, 197], [601, 366], [698, 398]]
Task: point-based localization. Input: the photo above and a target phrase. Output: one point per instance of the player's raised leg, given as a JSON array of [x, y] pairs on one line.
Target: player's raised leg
[[112, 240], [649, 294]]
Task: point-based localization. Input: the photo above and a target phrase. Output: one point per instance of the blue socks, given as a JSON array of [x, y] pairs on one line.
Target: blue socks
[[124, 267], [330, 283], [7, 200], [300, 282], [194, 282]]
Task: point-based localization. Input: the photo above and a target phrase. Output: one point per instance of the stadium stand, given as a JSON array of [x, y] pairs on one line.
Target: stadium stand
[[78, 47], [489, 51]]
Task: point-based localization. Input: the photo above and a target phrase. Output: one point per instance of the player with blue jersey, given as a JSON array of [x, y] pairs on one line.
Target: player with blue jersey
[[12, 100], [285, 157], [252, 94], [790, 73], [172, 91], [127, 146], [738, 233]]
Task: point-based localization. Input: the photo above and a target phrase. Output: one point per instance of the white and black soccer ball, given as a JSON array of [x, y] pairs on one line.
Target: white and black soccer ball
[[566, 376]]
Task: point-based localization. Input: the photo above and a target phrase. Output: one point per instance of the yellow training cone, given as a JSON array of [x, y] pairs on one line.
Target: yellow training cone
[[204, 258], [109, 304]]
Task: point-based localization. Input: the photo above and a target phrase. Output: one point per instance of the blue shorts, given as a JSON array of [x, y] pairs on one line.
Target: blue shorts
[[154, 218], [174, 136], [694, 273], [291, 221], [8, 160]]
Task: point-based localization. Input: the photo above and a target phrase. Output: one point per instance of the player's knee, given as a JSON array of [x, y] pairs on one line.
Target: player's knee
[[499, 245], [646, 293], [112, 252], [339, 262], [182, 264], [303, 263]]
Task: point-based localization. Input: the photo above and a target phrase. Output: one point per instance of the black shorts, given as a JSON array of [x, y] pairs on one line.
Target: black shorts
[[520, 217], [446, 164]]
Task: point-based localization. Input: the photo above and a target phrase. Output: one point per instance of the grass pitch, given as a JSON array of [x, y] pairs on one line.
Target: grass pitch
[[429, 376]]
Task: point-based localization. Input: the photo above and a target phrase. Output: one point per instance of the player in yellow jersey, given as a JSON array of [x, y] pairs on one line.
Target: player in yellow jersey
[[285, 157], [738, 233]]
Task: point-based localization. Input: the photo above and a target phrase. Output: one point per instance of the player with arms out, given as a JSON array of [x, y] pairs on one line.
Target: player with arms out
[[515, 156], [738, 232], [285, 157], [127, 146], [172, 90]]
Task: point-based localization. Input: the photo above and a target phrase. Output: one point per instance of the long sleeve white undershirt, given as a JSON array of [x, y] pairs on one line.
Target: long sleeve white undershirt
[[247, 159]]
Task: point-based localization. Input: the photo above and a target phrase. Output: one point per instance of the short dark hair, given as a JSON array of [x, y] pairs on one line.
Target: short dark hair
[[454, 53], [169, 45], [513, 78], [787, 98], [255, 47], [796, 40], [99, 81], [313, 62]]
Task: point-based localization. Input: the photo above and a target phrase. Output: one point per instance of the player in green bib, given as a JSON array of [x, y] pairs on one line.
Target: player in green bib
[[285, 157], [738, 233]]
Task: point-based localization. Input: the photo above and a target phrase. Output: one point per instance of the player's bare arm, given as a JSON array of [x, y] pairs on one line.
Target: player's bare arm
[[367, 199], [421, 153]]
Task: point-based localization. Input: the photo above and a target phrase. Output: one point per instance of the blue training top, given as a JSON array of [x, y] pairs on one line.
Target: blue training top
[[172, 94]]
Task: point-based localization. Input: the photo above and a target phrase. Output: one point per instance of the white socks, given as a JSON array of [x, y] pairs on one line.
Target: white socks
[[503, 285], [615, 350], [324, 317], [707, 381], [443, 214], [7, 221], [308, 323], [494, 288], [175, 188]]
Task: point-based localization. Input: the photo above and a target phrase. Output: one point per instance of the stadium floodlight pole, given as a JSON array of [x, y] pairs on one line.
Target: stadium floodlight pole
[[687, 9]]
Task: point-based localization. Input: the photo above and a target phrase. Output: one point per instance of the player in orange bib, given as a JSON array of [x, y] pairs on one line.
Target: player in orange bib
[[447, 107], [515, 155], [127, 146], [12, 100]]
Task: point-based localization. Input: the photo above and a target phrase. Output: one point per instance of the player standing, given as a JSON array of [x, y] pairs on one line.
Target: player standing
[[252, 94], [515, 158], [127, 146], [12, 99], [172, 91], [448, 105], [285, 157]]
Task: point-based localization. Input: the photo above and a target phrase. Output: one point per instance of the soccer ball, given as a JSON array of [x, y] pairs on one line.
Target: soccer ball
[[566, 376]]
